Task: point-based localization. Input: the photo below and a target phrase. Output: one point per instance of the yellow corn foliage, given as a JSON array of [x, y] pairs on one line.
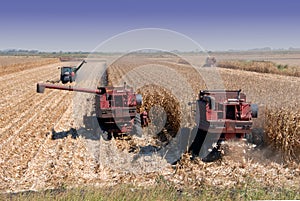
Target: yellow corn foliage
[[282, 128]]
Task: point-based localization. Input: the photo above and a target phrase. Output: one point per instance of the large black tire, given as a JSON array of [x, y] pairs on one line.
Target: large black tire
[[198, 142], [173, 150], [214, 155], [256, 137], [137, 119], [137, 128], [254, 110]]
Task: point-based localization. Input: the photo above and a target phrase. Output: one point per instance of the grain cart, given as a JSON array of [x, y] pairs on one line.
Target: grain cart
[[115, 108], [222, 115], [68, 73]]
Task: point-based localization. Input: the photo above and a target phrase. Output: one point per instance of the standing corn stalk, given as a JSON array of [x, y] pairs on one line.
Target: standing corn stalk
[[282, 127]]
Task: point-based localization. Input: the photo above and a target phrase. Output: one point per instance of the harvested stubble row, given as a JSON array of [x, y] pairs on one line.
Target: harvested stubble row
[[20, 149], [12, 64]]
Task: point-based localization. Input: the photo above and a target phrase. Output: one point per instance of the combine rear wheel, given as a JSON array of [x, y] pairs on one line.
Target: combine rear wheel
[[183, 142], [214, 154], [137, 128], [256, 136]]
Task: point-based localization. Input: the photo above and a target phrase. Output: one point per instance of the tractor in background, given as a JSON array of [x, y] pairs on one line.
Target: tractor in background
[[210, 62], [68, 73]]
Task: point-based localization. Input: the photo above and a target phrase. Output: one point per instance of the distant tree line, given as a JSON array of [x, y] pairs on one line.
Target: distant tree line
[[36, 52], [18, 51]]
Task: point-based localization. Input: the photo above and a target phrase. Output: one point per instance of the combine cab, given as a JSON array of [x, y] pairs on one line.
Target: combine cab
[[115, 107], [222, 115], [68, 73]]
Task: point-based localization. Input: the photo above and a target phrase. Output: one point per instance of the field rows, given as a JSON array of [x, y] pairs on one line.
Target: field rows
[[14, 64], [26, 120], [30, 159], [259, 89]]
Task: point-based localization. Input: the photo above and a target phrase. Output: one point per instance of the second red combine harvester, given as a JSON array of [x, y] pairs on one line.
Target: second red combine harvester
[[221, 115], [115, 107]]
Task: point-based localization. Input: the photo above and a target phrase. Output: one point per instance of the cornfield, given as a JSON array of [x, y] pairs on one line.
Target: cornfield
[[31, 160], [282, 129], [261, 67]]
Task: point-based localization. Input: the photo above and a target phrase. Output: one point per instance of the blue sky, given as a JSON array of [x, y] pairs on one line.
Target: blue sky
[[53, 25]]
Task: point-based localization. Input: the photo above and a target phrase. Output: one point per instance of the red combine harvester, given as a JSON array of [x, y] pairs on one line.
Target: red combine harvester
[[115, 107], [222, 115]]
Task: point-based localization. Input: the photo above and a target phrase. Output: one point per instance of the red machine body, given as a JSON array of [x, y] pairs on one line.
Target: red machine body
[[115, 107], [221, 115], [225, 112]]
